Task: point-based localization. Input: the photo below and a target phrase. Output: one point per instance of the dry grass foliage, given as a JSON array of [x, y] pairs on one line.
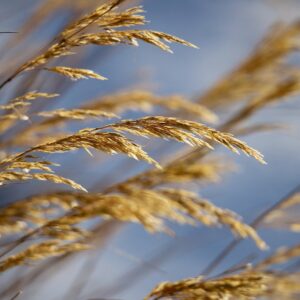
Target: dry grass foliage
[[254, 282], [285, 217], [189, 132], [40, 251], [246, 285], [54, 223]]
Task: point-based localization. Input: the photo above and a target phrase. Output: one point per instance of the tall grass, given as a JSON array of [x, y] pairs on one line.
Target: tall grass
[[65, 217]]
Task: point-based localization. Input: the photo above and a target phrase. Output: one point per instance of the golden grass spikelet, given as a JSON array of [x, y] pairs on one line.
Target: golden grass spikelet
[[243, 286], [281, 256], [10, 117], [262, 68], [76, 73], [32, 96], [291, 201], [71, 38], [118, 207], [36, 210], [9, 227], [63, 46], [145, 100], [26, 166], [283, 286], [77, 114], [209, 214], [139, 206], [40, 251], [162, 127], [203, 171], [127, 18], [286, 215], [130, 37], [270, 95], [184, 131], [145, 206], [108, 142], [246, 285], [117, 103], [11, 176], [14, 105], [90, 18], [55, 51], [65, 232]]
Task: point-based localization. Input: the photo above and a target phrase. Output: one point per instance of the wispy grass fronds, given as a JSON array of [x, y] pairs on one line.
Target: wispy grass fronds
[[108, 142], [31, 165], [160, 127], [147, 207], [40, 251], [261, 69], [145, 101], [65, 232], [247, 285], [184, 131], [279, 257], [8, 119], [113, 103], [283, 286], [218, 216], [244, 286], [129, 17], [75, 73], [271, 95], [131, 37], [77, 114], [32, 96], [20, 216], [118, 103], [16, 108], [90, 18], [19, 167], [25, 100], [286, 216], [203, 171], [12, 176], [72, 37]]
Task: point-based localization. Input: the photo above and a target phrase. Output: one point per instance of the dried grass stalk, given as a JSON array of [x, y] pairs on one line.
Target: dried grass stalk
[[145, 206], [279, 257], [40, 251], [77, 114], [184, 131], [203, 171], [131, 37], [260, 70], [243, 286], [286, 216], [75, 73], [8, 177], [114, 103]]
